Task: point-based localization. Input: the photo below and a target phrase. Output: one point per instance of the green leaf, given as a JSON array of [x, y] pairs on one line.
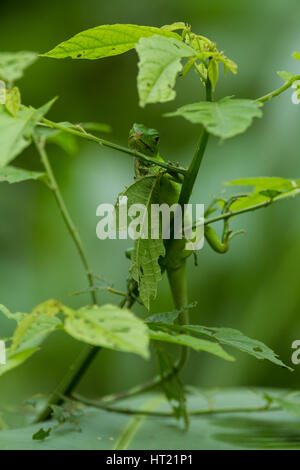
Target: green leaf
[[169, 317], [11, 174], [13, 64], [13, 101], [15, 133], [238, 340], [213, 72], [105, 41], [225, 118], [67, 142], [232, 430], [266, 182], [145, 269], [191, 342], [179, 25], [159, 64], [108, 326], [41, 434], [296, 55], [286, 76], [15, 360], [36, 326]]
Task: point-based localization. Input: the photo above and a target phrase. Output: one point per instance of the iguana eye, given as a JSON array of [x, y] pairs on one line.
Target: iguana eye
[[156, 139]]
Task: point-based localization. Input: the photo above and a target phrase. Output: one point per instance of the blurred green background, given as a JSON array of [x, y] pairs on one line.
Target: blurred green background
[[255, 287]]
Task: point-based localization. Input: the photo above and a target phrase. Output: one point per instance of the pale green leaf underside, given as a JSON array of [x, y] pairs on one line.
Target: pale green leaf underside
[[159, 64], [225, 118], [105, 41], [13, 64], [145, 268], [108, 326], [238, 340], [225, 431], [11, 174], [193, 343], [15, 133]]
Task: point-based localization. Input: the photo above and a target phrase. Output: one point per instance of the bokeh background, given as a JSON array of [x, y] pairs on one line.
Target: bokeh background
[[254, 287]]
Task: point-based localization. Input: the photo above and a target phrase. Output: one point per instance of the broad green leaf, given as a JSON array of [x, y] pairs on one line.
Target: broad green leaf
[[11, 174], [13, 64], [191, 342], [159, 64], [286, 76], [15, 133], [108, 326], [145, 268], [105, 41], [35, 327], [238, 340], [225, 118], [233, 430], [13, 101], [17, 359]]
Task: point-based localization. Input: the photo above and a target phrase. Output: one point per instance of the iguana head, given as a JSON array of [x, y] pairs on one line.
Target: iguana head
[[144, 140]]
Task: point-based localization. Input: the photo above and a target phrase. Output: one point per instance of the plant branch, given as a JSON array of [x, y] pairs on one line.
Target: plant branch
[[166, 414], [78, 368], [278, 91], [172, 168], [261, 205], [193, 170]]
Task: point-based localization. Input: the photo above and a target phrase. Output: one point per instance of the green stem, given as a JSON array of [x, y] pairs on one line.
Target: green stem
[[105, 143], [193, 170], [78, 368], [166, 414], [278, 91], [261, 205]]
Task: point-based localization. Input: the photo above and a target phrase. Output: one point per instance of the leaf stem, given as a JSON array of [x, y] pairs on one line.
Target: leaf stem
[[78, 368], [172, 168], [278, 91], [193, 170], [166, 414], [261, 205]]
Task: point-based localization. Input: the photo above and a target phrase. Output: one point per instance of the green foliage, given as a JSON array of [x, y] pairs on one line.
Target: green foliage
[[105, 41], [108, 326], [159, 64], [222, 426], [13, 64], [145, 269], [225, 118], [16, 132], [238, 340], [191, 342], [163, 54], [13, 101], [11, 174]]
